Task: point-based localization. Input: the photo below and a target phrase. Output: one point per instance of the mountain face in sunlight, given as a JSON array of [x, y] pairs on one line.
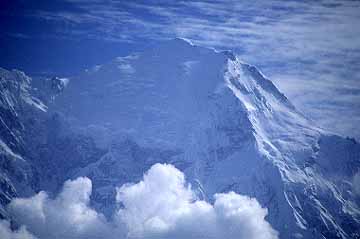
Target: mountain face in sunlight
[[214, 117]]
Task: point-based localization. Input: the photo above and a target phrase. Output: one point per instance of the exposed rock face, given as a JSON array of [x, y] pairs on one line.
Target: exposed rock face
[[214, 117]]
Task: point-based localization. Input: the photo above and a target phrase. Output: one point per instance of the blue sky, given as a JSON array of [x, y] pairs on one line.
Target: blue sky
[[309, 49]]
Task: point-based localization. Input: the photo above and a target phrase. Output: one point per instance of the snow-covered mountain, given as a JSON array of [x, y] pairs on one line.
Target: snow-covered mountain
[[216, 118]]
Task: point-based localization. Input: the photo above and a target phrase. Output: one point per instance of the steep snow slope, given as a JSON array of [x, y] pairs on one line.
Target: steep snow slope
[[17, 107], [227, 126], [29, 142], [214, 117]]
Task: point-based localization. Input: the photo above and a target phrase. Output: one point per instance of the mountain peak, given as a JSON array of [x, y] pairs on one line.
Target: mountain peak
[[216, 118], [171, 81]]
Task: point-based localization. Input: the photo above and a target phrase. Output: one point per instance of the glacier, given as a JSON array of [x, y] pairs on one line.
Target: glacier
[[214, 117]]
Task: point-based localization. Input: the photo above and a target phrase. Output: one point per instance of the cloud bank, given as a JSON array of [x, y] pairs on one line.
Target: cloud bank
[[162, 205]]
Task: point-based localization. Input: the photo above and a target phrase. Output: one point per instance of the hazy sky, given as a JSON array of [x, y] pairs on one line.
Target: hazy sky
[[310, 49]]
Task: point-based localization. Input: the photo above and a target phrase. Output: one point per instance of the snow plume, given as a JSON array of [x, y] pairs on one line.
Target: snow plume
[[162, 205]]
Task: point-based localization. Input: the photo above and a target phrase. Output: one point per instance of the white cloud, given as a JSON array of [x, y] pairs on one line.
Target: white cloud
[[162, 205], [7, 233], [66, 216]]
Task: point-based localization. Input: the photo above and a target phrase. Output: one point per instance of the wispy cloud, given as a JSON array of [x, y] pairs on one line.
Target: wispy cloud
[[310, 49]]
